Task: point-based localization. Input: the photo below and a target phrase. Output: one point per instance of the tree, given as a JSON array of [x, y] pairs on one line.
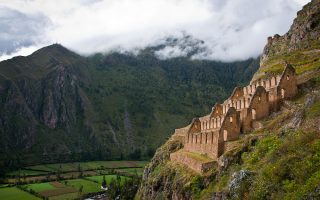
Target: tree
[[80, 189], [104, 182], [79, 168]]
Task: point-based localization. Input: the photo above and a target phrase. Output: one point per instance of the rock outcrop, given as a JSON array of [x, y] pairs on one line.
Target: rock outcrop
[[299, 46]]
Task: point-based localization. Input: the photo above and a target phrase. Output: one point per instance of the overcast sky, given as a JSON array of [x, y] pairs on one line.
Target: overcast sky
[[231, 29]]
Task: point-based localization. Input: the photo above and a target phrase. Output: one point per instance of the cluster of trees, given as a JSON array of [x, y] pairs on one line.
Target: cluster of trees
[[121, 188]]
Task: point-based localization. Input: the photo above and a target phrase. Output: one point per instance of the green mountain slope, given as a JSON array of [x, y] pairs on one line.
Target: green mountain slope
[[58, 106]]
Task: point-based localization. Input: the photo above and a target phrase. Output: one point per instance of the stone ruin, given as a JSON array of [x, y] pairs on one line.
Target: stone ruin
[[208, 137]]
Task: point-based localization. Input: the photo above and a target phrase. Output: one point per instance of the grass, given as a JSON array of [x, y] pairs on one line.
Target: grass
[[14, 193], [314, 110], [44, 168], [88, 186], [51, 189], [38, 187], [25, 172], [283, 166], [69, 196], [197, 156], [302, 60], [99, 179], [132, 171], [92, 165]]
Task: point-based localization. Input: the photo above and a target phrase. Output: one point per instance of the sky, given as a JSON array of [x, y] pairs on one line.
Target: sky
[[231, 29]]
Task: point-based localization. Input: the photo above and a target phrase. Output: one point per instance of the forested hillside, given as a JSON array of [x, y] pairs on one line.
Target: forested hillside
[[56, 105]]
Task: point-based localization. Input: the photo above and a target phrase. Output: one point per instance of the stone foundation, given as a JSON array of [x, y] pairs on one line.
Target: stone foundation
[[199, 163]]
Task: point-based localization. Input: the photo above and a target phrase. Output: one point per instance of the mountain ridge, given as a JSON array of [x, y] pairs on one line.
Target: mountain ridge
[[57, 106]]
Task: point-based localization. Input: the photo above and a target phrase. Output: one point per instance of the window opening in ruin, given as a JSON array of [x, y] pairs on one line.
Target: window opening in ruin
[[283, 91], [231, 119], [253, 114], [212, 138], [288, 78], [225, 135]]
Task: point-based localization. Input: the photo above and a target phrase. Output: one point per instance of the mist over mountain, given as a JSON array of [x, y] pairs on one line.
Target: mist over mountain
[[230, 30]]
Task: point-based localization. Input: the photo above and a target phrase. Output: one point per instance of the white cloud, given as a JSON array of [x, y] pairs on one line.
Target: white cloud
[[21, 51], [302, 2], [231, 30]]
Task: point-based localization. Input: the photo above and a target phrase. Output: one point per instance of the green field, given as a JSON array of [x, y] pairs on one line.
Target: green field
[[25, 172], [14, 193], [68, 189], [88, 186], [69, 196], [108, 178], [132, 171], [38, 187], [93, 165]]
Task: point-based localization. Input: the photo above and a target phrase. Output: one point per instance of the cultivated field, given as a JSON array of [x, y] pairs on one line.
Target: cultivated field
[[13, 193], [66, 180], [93, 165], [98, 179]]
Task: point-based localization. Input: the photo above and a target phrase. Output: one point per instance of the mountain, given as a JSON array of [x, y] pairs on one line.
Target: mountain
[[299, 46], [280, 159], [58, 106]]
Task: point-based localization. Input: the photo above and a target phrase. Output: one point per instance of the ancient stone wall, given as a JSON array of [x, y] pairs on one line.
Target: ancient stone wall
[[288, 84], [203, 143], [231, 125], [209, 135]]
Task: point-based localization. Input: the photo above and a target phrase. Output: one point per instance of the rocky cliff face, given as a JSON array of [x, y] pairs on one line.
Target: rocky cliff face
[[38, 99], [299, 46], [304, 31]]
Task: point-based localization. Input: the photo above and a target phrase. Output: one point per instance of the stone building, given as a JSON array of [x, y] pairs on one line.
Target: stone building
[[206, 138]]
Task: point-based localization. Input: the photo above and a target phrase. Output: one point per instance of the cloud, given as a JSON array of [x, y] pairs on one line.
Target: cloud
[[18, 29], [231, 30]]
